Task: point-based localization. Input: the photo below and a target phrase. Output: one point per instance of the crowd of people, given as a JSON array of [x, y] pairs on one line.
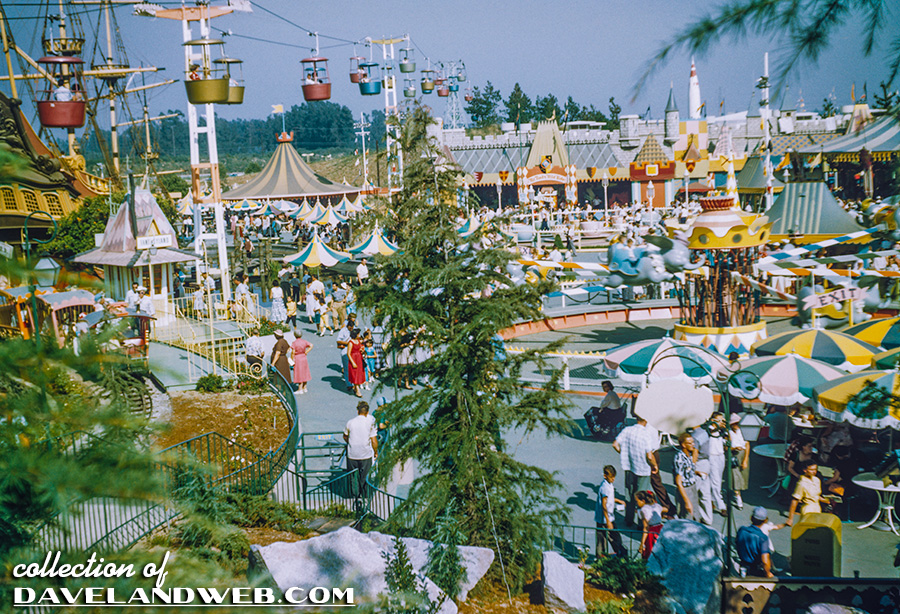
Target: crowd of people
[[818, 474]]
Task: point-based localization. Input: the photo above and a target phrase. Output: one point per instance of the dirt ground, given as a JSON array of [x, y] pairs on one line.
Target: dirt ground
[[493, 600], [256, 421]]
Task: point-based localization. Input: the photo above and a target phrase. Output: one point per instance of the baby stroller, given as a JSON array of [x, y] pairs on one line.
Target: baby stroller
[[605, 424]]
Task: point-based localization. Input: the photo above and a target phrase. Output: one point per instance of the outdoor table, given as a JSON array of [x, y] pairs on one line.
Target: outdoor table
[[806, 425], [776, 451], [886, 495]]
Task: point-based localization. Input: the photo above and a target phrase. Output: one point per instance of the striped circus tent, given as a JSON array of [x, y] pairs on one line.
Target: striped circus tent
[[663, 359], [329, 217], [789, 379], [343, 206], [287, 175], [315, 254], [374, 244], [883, 332], [246, 205], [881, 138], [185, 206], [835, 399], [835, 348]]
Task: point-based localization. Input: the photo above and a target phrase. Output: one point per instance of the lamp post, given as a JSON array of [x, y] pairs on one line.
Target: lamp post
[[605, 182], [32, 280], [651, 192], [499, 194], [729, 382], [687, 179]]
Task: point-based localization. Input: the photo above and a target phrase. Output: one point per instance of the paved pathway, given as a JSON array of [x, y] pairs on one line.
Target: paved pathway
[[577, 460]]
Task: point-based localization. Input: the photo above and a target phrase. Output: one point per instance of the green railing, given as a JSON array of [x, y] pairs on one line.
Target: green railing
[[108, 524], [580, 542]]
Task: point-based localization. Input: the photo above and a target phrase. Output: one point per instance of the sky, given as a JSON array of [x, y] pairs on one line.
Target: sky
[[589, 49]]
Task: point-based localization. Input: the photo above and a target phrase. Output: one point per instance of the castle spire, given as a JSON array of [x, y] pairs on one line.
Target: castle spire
[[694, 104]]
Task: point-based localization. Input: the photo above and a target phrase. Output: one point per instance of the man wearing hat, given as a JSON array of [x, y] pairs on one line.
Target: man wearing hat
[[753, 546]]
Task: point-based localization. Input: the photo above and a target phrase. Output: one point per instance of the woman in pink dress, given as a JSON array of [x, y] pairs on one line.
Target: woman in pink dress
[[355, 359], [301, 348]]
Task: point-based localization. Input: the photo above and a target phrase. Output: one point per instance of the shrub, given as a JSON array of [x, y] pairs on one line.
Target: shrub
[[444, 566], [619, 574], [612, 606], [210, 383]]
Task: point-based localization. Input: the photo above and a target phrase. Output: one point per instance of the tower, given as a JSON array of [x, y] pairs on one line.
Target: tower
[[694, 104], [672, 118]]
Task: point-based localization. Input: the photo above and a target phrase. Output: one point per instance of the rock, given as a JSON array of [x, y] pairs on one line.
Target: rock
[[832, 608], [563, 583], [688, 556], [343, 559], [476, 561]]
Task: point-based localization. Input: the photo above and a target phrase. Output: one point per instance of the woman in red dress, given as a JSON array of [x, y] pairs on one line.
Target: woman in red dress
[[355, 357]]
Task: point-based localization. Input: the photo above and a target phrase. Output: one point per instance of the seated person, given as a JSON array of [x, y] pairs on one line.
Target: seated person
[[194, 74], [846, 467], [62, 93], [780, 424], [801, 451], [311, 77]]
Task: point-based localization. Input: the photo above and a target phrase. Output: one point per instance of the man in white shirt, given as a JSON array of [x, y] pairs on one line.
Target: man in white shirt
[[145, 304], [361, 436], [132, 297], [315, 286], [362, 272], [635, 445]]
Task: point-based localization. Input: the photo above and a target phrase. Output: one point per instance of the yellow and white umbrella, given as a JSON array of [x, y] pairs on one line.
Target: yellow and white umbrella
[[316, 254], [375, 243], [854, 398], [246, 205], [329, 217], [835, 348]]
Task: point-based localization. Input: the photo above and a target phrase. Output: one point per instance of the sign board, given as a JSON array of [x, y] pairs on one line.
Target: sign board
[[817, 301], [6, 250], [154, 241], [98, 239]]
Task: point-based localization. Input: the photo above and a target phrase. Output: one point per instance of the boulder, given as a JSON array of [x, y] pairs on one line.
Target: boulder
[[688, 556], [476, 561], [832, 608], [563, 583], [343, 559]]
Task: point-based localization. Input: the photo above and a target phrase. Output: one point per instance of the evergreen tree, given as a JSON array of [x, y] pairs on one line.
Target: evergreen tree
[[519, 108], [612, 123], [547, 107], [444, 293], [572, 110], [483, 106], [445, 567]]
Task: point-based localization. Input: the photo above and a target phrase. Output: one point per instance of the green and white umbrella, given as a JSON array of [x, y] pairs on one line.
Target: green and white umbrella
[[785, 380], [668, 359], [374, 244], [316, 254]]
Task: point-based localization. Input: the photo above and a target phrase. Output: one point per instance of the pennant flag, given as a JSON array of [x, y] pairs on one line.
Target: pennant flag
[[591, 171], [504, 175], [277, 108], [478, 177]]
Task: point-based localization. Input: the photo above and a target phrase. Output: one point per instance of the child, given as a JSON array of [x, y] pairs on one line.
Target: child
[[291, 308], [326, 315], [605, 514], [651, 514], [369, 355]]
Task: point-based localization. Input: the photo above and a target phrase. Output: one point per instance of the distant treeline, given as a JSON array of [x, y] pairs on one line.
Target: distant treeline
[[319, 125]]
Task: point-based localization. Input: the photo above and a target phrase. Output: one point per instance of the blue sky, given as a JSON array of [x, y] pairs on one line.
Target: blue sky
[[588, 49]]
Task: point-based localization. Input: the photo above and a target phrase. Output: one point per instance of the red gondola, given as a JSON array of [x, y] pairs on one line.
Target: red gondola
[[62, 105], [316, 82], [355, 70]]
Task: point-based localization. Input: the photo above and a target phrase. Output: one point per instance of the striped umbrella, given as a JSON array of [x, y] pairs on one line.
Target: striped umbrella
[[838, 349], [469, 227], [286, 206], [303, 212], [246, 205], [790, 379], [835, 399], [315, 254], [267, 208], [375, 243], [314, 213], [884, 332], [669, 359], [886, 360], [329, 216]]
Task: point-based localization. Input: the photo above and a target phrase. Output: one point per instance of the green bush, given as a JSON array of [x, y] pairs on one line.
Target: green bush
[[619, 574], [612, 606], [233, 542], [210, 383], [267, 327]]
